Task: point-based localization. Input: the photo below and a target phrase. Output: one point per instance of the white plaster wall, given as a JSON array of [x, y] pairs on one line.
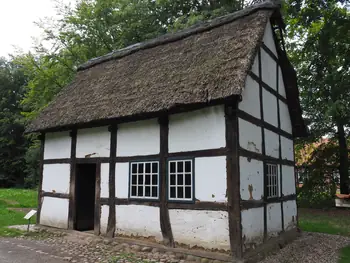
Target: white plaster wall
[[286, 123], [94, 142], [210, 171], [287, 149], [197, 130], [268, 38], [252, 174], [57, 145], [271, 143], [270, 108], [122, 180], [56, 178], [138, 220], [252, 227], [268, 70], [249, 136], [104, 219], [255, 66], [54, 212], [104, 179], [288, 180], [274, 222], [281, 88], [138, 138], [290, 214], [208, 229], [250, 98]]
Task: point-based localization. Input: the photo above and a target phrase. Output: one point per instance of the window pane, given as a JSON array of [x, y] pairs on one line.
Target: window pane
[[147, 191], [147, 179], [154, 179], [180, 192], [188, 179], [180, 180], [140, 179], [140, 168], [154, 191], [172, 192], [188, 166], [148, 168], [172, 167], [188, 192], [154, 167], [172, 179], [140, 191], [134, 168], [133, 179], [133, 190], [180, 167]]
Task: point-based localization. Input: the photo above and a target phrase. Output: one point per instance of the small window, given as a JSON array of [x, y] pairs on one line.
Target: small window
[[180, 180], [144, 180], [272, 180]]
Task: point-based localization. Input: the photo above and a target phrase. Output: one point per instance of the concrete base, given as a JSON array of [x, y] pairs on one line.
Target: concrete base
[[342, 202]]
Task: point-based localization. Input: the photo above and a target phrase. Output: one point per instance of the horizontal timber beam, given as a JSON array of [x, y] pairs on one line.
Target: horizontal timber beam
[[249, 204], [198, 205], [247, 117], [258, 156], [55, 195]]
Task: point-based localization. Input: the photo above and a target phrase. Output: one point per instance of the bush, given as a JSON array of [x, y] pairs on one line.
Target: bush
[[318, 190]]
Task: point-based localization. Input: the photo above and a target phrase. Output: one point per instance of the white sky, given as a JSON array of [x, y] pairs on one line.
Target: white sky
[[17, 19]]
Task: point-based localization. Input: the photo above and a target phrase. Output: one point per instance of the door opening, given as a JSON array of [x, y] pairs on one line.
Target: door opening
[[85, 196]]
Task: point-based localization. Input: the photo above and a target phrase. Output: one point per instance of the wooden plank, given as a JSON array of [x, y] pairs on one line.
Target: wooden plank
[[201, 153], [41, 170], [249, 204], [258, 156], [93, 160], [111, 182], [72, 202], [56, 161], [233, 179], [97, 217], [165, 225], [55, 195]]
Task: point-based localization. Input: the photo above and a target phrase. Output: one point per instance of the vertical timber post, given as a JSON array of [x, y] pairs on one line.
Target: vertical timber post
[[41, 171], [72, 202], [163, 208], [233, 178], [97, 216], [111, 182]]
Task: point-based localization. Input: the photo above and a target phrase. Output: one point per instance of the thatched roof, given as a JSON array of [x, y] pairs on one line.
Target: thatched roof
[[202, 64]]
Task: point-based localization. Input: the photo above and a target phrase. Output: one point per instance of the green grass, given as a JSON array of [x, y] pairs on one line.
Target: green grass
[[344, 255], [18, 198]]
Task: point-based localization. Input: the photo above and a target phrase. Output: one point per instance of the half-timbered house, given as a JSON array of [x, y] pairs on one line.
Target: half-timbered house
[[184, 139]]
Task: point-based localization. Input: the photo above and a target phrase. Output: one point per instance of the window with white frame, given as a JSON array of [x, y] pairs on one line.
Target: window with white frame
[[272, 180], [180, 180], [144, 177]]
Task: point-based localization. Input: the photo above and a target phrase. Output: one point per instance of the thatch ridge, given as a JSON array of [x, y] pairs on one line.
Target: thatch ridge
[[171, 37]]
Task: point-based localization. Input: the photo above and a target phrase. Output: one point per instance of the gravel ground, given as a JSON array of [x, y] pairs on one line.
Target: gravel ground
[[310, 247]]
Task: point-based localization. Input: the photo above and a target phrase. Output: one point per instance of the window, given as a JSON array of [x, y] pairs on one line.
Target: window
[[180, 180], [272, 180], [144, 180]]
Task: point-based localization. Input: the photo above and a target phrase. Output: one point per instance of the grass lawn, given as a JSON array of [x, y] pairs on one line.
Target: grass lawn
[[333, 221], [15, 198]]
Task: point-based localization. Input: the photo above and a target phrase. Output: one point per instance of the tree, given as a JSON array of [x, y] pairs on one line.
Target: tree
[[12, 142], [318, 44]]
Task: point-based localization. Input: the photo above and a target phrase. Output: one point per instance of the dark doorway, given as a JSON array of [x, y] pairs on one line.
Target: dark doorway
[[85, 196]]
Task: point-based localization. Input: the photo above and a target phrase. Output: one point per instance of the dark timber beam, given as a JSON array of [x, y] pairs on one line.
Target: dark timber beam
[[41, 170], [97, 216], [72, 202], [55, 195], [248, 204], [111, 181], [165, 225], [233, 179]]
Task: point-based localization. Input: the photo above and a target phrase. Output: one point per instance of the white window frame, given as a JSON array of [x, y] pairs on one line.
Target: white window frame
[[183, 173], [144, 185], [272, 180]]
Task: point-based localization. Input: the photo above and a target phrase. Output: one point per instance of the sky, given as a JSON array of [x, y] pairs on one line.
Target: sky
[[17, 19]]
